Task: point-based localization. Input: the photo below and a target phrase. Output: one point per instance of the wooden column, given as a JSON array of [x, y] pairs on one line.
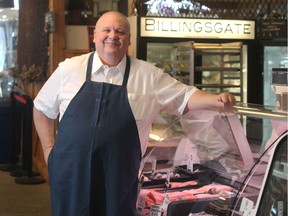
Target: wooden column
[[33, 48], [57, 38], [32, 40], [32, 58], [56, 48]]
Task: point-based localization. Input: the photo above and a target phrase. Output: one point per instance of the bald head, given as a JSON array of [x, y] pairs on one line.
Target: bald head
[[113, 14], [112, 37]]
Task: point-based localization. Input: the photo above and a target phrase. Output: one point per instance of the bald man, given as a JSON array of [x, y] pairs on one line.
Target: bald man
[[106, 102]]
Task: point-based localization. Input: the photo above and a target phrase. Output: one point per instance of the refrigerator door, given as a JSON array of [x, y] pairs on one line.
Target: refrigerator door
[[161, 55], [274, 57], [213, 67]]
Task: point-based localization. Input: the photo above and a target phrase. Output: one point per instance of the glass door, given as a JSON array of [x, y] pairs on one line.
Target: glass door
[[161, 55], [274, 57], [212, 67], [8, 38]]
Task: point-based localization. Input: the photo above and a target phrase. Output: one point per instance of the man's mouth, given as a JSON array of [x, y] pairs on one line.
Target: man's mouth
[[113, 43]]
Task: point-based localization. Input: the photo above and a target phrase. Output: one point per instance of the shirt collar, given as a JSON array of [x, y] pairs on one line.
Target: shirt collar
[[97, 64]]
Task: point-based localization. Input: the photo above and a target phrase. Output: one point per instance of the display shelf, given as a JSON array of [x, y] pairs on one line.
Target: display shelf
[[230, 152], [210, 66], [215, 86], [205, 68]]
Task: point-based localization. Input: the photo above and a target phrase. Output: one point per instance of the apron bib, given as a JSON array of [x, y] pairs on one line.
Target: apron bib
[[93, 166]]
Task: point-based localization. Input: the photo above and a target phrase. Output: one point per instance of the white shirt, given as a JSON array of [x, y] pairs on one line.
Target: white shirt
[[149, 89]]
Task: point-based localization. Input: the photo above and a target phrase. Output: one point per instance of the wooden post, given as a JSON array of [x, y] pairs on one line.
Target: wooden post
[[32, 39], [57, 38]]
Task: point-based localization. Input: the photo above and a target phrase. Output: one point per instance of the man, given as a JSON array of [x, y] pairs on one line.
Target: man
[[106, 102]]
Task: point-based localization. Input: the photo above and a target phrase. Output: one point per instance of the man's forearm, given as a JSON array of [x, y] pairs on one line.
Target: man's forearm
[[45, 129], [202, 100]]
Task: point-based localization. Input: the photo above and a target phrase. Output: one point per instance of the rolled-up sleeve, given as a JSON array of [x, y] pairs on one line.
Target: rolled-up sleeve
[[47, 99], [172, 94]]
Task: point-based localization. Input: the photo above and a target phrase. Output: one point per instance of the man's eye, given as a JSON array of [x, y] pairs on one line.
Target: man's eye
[[106, 30], [120, 32]]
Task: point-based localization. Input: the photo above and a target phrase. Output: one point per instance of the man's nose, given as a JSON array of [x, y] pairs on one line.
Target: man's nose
[[113, 34]]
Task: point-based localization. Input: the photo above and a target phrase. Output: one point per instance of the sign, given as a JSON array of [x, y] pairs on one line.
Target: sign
[[279, 76], [197, 28], [270, 29]]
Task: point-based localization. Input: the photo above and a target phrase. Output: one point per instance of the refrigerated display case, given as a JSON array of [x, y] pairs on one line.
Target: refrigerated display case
[[213, 67], [274, 57], [273, 194], [212, 162]]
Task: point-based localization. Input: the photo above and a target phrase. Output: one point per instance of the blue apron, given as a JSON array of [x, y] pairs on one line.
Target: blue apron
[[93, 166]]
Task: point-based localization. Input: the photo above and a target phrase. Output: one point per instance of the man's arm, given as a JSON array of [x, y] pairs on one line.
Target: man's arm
[[45, 129], [201, 100]]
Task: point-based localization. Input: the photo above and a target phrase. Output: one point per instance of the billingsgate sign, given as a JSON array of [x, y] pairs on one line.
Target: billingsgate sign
[[197, 28]]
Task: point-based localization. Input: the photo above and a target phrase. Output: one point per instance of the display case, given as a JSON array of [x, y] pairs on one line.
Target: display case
[[275, 75], [215, 162], [210, 66], [273, 194]]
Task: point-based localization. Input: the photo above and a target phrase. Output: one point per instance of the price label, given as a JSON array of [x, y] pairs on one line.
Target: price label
[[154, 163], [155, 210], [246, 207], [141, 203], [190, 162], [165, 204]]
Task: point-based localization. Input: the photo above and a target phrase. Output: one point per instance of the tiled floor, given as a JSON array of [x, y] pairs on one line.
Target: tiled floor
[[23, 199]]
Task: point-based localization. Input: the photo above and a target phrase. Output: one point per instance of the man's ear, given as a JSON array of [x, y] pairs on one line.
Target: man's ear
[[94, 36], [130, 39]]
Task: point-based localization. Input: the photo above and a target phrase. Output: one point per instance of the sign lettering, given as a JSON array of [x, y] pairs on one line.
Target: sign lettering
[[197, 28]]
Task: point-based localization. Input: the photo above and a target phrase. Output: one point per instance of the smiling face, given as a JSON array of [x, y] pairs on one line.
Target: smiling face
[[112, 37]]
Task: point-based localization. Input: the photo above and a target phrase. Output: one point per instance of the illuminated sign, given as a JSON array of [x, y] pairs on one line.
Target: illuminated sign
[[197, 28]]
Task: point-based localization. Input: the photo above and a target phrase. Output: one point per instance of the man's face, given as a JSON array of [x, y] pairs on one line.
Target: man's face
[[112, 36]]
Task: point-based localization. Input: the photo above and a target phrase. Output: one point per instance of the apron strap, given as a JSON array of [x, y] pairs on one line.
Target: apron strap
[[89, 67], [127, 70]]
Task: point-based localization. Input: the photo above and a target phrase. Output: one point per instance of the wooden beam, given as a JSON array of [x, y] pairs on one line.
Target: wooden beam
[[56, 55], [57, 38]]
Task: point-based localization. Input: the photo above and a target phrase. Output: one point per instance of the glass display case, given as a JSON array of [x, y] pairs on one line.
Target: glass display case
[[274, 57], [215, 162], [213, 67], [273, 194]]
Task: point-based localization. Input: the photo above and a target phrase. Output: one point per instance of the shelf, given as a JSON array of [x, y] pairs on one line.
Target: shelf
[[232, 62], [222, 61], [183, 70], [216, 86], [232, 69], [231, 78], [217, 53]]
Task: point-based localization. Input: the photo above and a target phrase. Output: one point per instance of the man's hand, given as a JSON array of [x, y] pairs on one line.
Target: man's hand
[[204, 100], [226, 100]]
